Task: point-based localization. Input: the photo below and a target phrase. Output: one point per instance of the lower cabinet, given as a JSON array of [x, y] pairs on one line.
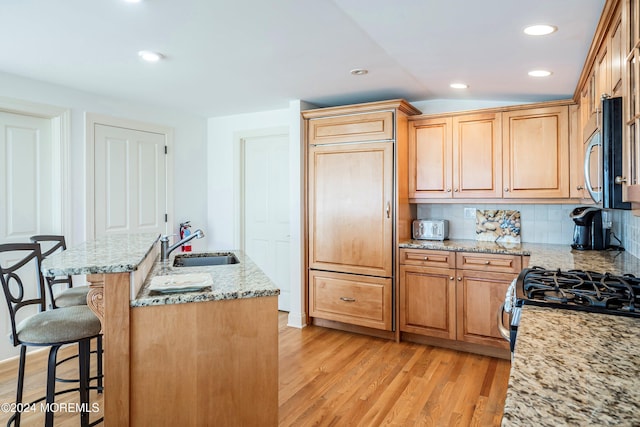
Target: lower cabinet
[[456, 301], [351, 298]]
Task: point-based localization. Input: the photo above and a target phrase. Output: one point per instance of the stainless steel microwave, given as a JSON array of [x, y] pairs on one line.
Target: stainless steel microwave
[[603, 157]]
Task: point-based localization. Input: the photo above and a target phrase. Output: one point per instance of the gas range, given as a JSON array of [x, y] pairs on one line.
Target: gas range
[[589, 291], [579, 290]]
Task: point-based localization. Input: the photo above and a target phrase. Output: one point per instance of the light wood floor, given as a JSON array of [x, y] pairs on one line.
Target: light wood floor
[[333, 378]]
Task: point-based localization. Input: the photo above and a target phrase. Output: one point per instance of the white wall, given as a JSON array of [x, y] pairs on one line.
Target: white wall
[[189, 161], [224, 178]]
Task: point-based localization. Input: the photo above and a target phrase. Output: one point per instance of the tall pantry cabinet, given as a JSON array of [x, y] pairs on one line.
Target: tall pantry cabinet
[[357, 209]]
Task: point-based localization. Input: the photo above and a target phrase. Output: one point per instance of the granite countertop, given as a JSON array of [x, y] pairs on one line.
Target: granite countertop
[[115, 253], [543, 255], [574, 368], [232, 281]]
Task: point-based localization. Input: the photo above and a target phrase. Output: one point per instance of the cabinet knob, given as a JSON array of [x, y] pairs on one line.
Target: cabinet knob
[[448, 190], [620, 179], [451, 278], [506, 190], [456, 190], [426, 258], [459, 279], [579, 188], [487, 262]]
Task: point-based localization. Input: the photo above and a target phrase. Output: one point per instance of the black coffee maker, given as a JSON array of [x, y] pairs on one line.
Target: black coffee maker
[[588, 233]]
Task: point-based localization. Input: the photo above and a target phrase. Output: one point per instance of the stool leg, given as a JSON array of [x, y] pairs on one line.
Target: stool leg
[[99, 362], [23, 358], [84, 352], [51, 385]]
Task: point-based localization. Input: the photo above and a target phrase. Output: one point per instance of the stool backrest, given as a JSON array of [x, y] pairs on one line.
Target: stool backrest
[[13, 275], [50, 244]]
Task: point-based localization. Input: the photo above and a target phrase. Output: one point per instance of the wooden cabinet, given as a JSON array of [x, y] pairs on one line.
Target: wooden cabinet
[[455, 297], [357, 209], [357, 300], [428, 301], [456, 157], [631, 77], [536, 153], [350, 208], [482, 281], [513, 153], [359, 127]]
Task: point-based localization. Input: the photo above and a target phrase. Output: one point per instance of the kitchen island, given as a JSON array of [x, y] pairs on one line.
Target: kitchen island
[[180, 358]]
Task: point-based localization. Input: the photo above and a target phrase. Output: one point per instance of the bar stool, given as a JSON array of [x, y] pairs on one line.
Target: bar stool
[[69, 297], [52, 328]]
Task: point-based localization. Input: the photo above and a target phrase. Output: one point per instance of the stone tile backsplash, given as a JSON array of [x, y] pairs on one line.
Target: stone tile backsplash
[[540, 223], [631, 234]]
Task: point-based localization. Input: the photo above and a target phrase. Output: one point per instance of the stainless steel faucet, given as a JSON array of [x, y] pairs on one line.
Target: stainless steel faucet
[[165, 249]]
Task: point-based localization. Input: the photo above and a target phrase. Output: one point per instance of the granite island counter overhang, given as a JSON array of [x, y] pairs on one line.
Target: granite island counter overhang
[[178, 358]]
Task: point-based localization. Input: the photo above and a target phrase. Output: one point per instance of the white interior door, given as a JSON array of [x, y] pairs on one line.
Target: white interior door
[[266, 209], [130, 181], [30, 196]]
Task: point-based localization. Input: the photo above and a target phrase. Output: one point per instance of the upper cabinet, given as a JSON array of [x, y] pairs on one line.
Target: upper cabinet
[[631, 45], [536, 153], [512, 153], [455, 157]]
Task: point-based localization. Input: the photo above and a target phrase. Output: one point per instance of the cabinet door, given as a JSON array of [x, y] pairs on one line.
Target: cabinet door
[[427, 301], [536, 153], [479, 296], [430, 157], [349, 298], [350, 208], [477, 155], [352, 128]]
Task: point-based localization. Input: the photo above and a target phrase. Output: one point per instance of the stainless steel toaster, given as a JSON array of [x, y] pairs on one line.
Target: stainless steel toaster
[[430, 229]]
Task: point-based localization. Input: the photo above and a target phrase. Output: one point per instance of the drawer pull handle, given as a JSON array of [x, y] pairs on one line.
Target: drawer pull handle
[[347, 299]]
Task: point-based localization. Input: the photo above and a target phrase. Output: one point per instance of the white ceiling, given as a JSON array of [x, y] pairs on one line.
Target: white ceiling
[[235, 56]]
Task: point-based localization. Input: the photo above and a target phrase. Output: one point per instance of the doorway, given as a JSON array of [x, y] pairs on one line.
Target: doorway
[[129, 183], [34, 142], [265, 219]]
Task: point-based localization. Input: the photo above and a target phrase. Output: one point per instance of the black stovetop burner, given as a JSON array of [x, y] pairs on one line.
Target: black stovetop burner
[[580, 290]]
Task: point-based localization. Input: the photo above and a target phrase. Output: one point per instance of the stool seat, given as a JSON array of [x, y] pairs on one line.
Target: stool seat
[[62, 325], [72, 297]]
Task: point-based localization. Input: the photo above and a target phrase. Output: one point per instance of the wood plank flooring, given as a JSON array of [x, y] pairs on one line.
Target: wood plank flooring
[[334, 378]]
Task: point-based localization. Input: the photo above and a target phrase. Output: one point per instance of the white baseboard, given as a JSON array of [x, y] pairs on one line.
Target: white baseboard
[[297, 320]]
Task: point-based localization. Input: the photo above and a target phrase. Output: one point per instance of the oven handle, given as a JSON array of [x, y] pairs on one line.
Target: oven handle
[[504, 332]]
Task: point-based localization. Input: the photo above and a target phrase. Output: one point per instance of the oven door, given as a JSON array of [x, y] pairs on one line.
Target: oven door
[[508, 307]]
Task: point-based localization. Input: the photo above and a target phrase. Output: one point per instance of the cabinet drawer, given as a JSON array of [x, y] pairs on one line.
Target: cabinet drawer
[[352, 128], [428, 258], [489, 262], [349, 298]]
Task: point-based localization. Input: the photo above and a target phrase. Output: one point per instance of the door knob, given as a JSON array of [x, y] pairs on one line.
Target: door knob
[[620, 179]]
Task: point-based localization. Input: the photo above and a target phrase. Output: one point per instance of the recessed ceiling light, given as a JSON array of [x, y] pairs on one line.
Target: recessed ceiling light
[[540, 30], [359, 71], [458, 86], [149, 56], [539, 73]]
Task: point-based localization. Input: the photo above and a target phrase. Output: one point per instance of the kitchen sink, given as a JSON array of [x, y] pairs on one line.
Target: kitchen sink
[[205, 259]]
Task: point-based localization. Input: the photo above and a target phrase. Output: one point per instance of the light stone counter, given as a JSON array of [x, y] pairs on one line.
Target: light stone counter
[[242, 280], [574, 368], [542, 255], [116, 253], [570, 368]]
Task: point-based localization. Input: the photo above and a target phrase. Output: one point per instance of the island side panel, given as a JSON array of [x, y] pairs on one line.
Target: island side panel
[[115, 328], [196, 362]]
